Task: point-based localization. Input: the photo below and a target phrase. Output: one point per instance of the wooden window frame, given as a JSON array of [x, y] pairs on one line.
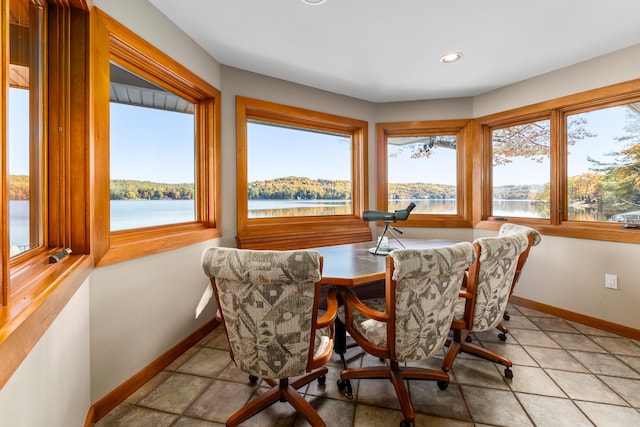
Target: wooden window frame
[[556, 110], [463, 130], [300, 232], [135, 54], [34, 290]]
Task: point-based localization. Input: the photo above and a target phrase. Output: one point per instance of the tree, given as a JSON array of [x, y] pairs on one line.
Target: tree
[[528, 140]]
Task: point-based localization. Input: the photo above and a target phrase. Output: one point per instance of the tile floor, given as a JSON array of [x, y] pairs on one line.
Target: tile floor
[[564, 374]]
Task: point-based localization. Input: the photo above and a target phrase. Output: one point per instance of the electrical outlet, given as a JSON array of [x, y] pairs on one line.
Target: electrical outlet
[[611, 281]]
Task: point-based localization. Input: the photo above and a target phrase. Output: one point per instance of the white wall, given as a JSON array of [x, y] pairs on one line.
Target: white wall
[[140, 309], [51, 387]]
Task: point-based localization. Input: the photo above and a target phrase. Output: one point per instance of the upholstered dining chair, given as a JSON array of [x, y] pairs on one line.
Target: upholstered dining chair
[[268, 303], [422, 287], [484, 297], [534, 239]]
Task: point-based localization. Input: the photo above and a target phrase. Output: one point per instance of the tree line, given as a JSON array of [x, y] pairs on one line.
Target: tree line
[[288, 188]]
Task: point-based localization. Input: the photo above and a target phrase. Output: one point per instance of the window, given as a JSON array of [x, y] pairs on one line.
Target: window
[[152, 152], [44, 94], [25, 139], [569, 167], [301, 177], [162, 187], [521, 170], [603, 165], [424, 163]]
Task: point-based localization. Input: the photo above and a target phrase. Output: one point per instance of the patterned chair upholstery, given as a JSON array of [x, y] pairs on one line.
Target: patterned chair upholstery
[[534, 239], [484, 299], [268, 303], [422, 288]]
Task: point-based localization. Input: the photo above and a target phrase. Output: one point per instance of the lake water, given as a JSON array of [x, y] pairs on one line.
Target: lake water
[[128, 214]]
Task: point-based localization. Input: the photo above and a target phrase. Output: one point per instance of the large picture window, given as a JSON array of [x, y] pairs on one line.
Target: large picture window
[[569, 167], [603, 168], [301, 177], [161, 190], [152, 152], [424, 163], [521, 170]]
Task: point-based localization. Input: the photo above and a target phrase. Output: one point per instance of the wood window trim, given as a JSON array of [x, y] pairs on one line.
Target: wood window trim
[[134, 53], [300, 232], [464, 130], [556, 110], [41, 290]]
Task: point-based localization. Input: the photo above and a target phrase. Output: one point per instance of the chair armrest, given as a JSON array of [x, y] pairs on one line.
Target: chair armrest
[[332, 310], [348, 297], [465, 294]]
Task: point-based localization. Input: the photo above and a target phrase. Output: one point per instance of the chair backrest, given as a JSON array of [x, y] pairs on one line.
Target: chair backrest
[[268, 301], [422, 292], [534, 239], [490, 278]]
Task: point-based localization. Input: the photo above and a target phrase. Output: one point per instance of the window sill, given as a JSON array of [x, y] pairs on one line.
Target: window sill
[[130, 244], [30, 313], [608, 232]]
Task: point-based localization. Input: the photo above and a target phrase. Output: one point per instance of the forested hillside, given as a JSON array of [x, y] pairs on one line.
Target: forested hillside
[[287, 188]]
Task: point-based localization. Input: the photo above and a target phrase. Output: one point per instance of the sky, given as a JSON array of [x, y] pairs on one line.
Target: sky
[[163, 152]]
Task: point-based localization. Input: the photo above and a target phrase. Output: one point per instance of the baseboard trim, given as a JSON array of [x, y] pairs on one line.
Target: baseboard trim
[[105, 405], [603, 325]]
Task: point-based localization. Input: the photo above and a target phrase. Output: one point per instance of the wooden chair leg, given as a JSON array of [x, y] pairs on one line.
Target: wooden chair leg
[[303, 407], [255, 406]]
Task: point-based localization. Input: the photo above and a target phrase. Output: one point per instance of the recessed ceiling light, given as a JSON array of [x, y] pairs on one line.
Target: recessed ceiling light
[[313, 2], [451, 57]]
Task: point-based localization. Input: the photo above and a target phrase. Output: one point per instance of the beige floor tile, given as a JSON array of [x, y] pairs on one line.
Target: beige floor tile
[[575, 342], [519, 322], [536, 338], [137, 416], [428, 399], [532, 380], [220, 400], [555, 358], [628, 389], [373, 416], [553, 324], [605, 364], [175, 394], [513, 352], [479, 372], [610, 415], [207, 362], [581, 386], [495, 407], [618, 345], [548, 411]]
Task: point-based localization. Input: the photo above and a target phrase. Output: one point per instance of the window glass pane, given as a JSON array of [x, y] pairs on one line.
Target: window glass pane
[[152, 154], [422, 170], [603, 165], [25, 126], [521, 170], [295, 171]]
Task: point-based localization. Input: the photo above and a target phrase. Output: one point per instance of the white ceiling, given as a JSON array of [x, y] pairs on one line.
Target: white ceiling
[[389, 50]]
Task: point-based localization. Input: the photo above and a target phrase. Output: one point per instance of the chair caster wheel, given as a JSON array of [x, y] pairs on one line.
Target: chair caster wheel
[[506, 317], [442, 385], [342, 384], [322, 380], [503, 337], [253, 379], [508, 373], [468, 339], [406, 423]]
